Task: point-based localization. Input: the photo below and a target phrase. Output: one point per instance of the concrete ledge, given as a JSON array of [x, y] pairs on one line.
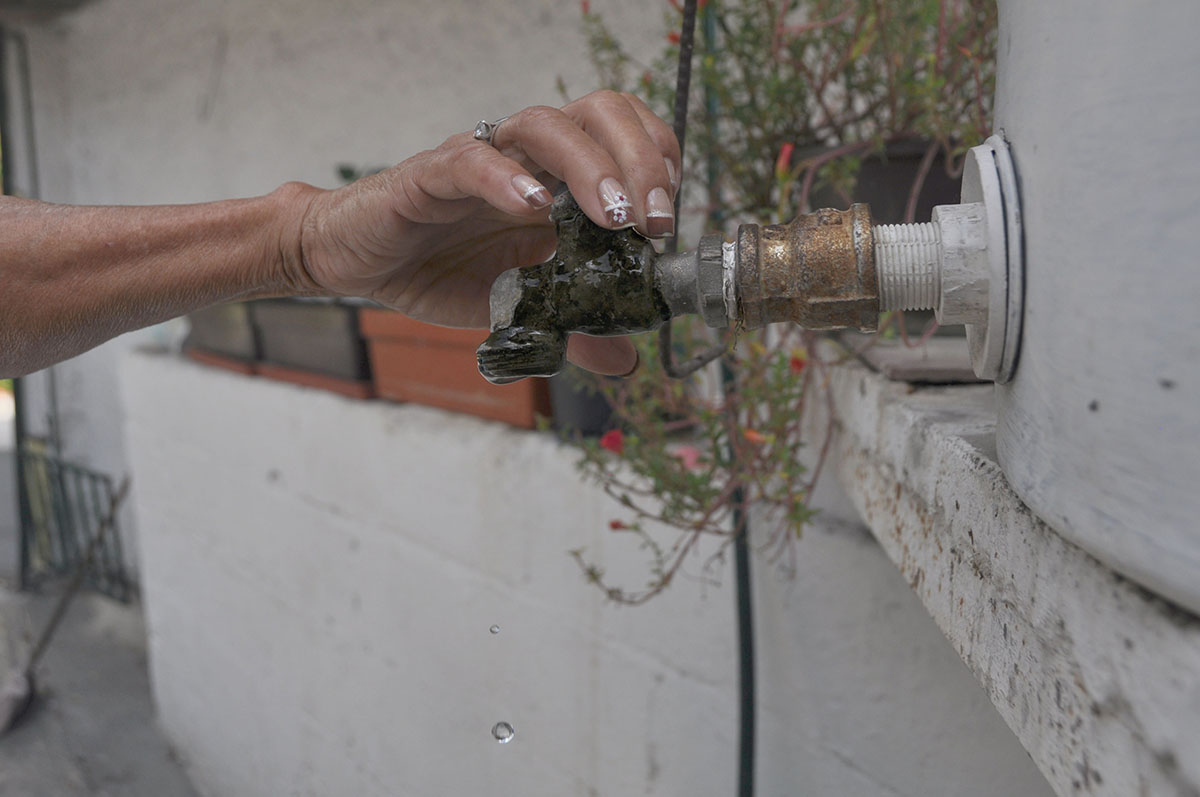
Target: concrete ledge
[[1098, 678]]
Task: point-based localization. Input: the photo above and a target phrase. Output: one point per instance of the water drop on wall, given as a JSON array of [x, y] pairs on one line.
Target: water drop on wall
[[503, 732]]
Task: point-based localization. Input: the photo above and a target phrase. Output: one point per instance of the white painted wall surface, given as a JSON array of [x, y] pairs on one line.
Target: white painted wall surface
[[166, 101], [320, 576]]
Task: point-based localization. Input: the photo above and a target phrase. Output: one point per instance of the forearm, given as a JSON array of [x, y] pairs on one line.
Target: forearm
[[73, 277]]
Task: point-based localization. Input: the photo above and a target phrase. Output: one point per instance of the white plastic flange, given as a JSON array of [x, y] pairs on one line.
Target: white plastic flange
[[989, 179]]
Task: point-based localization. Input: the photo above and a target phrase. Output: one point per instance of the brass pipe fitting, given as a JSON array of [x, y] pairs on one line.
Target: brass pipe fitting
[[817, 271]]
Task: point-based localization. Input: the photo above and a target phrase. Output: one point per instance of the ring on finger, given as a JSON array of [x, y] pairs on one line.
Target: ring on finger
[[485, 131]]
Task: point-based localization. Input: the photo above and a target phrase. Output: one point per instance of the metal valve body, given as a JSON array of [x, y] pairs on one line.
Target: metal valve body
[[817, 271], [599, 282]]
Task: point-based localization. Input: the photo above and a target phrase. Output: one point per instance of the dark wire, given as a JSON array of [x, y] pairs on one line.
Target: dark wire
[[741, 529], [741, 520], [745, 612], [683, 84], [745, 621]]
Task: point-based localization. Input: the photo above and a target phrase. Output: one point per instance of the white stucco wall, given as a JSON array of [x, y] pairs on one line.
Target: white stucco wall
[[166, 101], [320, 576]]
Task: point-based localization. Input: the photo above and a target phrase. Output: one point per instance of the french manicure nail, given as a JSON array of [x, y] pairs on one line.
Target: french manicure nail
[[616, 203], [672, 174], [660, 216], [532, 191]]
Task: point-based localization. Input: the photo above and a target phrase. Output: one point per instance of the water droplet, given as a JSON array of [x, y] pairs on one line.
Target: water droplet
[[503, 732], [495, 629]]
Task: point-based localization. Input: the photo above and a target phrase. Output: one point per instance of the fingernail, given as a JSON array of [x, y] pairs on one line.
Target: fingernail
[[532, 191], [660, 216], [672, 175], [616, 203]]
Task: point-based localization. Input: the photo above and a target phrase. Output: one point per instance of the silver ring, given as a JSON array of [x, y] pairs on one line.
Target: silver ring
[[485, 130]]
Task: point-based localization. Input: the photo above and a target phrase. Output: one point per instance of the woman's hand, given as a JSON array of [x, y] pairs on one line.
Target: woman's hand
[[428, 237]]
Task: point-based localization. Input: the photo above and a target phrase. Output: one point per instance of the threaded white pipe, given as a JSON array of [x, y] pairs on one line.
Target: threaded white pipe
[[907, 260]]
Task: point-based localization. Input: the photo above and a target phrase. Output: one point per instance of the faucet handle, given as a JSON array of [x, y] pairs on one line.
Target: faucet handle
[[599, 282]]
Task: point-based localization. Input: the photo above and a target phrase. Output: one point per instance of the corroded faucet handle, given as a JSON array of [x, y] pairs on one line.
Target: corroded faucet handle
[[599, 282]]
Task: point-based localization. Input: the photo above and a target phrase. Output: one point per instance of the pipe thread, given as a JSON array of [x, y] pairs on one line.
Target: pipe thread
[[907, 257]]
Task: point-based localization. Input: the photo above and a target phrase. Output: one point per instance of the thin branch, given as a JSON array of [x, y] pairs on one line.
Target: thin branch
[[914, 193]]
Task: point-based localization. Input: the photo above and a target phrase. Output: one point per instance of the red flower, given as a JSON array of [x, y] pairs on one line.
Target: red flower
[[617, 525], [647, 78], [585, 6], [673, 37], [614, 441], [797, 363], [785, 158], [753, 437], [688, 456]]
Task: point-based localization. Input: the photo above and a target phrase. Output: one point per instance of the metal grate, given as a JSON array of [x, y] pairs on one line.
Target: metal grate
[[66, 504]]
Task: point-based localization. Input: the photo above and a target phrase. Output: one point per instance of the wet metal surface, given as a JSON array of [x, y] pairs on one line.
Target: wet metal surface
[[599, 282]]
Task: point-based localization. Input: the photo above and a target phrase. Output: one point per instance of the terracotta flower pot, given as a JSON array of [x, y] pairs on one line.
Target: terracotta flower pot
[[435, 366]]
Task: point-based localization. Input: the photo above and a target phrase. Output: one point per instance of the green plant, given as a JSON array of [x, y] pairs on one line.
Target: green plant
[[349, 172], [789, 95], [679, 459]]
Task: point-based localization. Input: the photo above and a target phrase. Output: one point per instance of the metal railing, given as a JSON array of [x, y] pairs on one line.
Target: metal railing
[[66, 505]]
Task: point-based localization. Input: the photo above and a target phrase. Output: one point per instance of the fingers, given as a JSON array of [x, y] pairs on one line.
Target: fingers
[[613, 121], [608, 356], [556, 143], [617, 158], [663, 136], [464, 167], [620, 161]]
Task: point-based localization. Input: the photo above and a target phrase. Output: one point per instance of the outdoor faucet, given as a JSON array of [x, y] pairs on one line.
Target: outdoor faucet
[[817, 271], [830, 269], [599, 282]]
